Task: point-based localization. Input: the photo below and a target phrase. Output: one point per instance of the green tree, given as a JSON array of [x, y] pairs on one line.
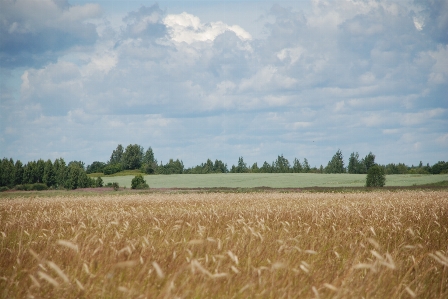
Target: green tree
[[7, 172], [305, 166], [73, 173], [31, 173], [27, 174], [138, 182], [172, 167], [132, 157], [220, 167], [99, 182], [265, 168], [18, 173], [80, 164], [336, 164], [376, 177], [49, 177], [112, 168], [369, 161], [355, 165], [439, 167], [281, 165], [296, 166], [254, 168], [208, 167], [60, 169], [241, 166], [39, 171], [95, 167], [149, 163], [116, 155]]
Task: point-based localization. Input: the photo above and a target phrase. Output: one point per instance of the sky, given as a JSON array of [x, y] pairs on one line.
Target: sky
[[223, 79]]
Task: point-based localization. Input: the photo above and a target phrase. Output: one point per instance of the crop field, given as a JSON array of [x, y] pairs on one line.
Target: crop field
[[273, 180], [226, 245]]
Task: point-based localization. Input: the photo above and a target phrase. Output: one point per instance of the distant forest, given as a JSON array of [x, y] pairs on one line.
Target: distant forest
[[40, 174]]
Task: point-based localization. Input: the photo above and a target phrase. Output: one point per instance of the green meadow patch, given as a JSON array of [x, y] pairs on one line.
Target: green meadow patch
[[272, 180]]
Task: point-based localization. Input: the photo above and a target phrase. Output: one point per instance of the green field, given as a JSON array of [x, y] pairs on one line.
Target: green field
[[272, 180]]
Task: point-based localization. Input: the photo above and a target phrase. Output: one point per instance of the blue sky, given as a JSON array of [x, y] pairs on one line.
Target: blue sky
[[223, 79]]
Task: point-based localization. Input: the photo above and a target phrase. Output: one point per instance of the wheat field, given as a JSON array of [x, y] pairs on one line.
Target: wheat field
[[226, 245]]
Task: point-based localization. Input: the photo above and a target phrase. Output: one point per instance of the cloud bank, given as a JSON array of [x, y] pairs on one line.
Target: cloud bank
[[356, 75]]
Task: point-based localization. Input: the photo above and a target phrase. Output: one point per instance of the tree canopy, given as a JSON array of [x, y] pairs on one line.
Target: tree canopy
[[336, 164]]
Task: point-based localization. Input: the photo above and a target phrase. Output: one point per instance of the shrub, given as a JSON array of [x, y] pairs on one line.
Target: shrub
[[39, 187], [29, 187], [111, 169], [115, 186], [375, 177], [3, 188], [138, 182], [99, 182], [24, 187]]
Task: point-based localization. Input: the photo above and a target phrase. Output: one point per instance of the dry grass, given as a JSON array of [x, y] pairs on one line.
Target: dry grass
[[269, 245]]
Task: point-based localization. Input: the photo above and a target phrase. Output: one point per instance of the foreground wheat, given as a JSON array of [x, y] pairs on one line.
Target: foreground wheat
[[269, 245]]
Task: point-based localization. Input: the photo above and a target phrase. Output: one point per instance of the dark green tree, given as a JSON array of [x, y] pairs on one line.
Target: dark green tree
[[172, 167], [369, 161], [355, 165], [73, 173], [32, 172], [99, 182], [241, 167], [112, 168], [220, 167], [138, 182], [296, 166], [149, 163], [132, 157], [18, 173], [79, 163], [336, 164], [306, 166], [95, 167], [39, 171], [376, 177], [49, 177], [439, 167], [7, 172], [254, 168], [117, 155], [265, 168], [27, 174], [208, 167], [60, 169], [281, 165]]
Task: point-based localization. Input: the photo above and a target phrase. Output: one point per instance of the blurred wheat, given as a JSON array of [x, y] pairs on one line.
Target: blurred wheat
[[234, 245]]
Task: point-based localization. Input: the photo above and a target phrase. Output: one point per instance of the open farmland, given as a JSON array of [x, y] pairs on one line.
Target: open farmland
[[272, 180], [227, 245]]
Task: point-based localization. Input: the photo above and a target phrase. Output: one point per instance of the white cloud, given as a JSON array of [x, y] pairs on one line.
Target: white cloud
[[187, 28], [418, 23]]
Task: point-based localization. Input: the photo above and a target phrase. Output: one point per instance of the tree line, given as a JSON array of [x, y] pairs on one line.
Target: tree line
[[134, 157], [40, 175], [57, 174]]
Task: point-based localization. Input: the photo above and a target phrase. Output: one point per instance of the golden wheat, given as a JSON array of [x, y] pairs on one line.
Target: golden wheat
[[233, 245]]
